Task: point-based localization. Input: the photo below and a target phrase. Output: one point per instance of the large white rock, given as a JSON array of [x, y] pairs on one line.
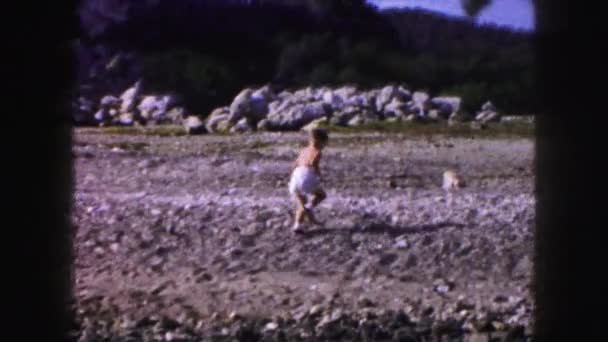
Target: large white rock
[[129, 97], [155, 107], [445, 105], [488, 113], [194, 125], [249, 104], [219, 117], [387, 94], [241, 127], [296, 116], [109, 101], [396, 108]]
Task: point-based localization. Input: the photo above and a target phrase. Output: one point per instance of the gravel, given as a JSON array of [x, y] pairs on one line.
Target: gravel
[[194, 228]]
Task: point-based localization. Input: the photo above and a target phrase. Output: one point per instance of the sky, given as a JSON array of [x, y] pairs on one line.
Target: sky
[[518, 14]]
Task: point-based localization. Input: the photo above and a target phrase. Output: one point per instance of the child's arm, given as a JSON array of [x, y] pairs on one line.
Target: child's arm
[[294, 164], [315, 163]]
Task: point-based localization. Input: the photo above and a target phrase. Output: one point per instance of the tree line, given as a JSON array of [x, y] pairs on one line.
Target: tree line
[[208, 50]]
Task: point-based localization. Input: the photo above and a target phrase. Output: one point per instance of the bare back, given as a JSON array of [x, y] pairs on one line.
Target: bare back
[[309, 157]]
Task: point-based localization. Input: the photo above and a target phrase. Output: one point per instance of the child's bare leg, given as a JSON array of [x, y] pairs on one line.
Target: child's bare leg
[[448, 200], [318, 197], [301, 201], [300, 211]]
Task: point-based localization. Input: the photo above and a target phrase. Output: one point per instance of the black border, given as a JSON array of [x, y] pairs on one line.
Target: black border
[[40, 174]]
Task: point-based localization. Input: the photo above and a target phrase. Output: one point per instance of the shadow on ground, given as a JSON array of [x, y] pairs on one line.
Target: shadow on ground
[[382, 228]]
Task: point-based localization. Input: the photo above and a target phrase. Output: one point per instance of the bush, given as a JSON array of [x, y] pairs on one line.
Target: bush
[[473, 96], [202, 80], [326, 43]]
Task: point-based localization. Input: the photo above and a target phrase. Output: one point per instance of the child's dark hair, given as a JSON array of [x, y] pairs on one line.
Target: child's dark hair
[[319, 135]]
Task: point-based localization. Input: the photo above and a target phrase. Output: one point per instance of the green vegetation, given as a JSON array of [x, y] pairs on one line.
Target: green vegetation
[[162, 131], [496, 130], [208, 54]]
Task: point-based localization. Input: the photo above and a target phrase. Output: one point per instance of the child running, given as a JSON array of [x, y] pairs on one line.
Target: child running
[[306, 178]]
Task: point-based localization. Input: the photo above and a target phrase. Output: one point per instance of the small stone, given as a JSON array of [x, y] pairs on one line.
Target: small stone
[[233, 317], [156, 261], [315, 309], [514, 299], [468, 326], [194, 125], [479, 338], [160, 288], [144, 163], [401, 243], [499, 326], [442, 289], [514, 320], [336, 315], [114, 247], [272, 326], [299, 314]]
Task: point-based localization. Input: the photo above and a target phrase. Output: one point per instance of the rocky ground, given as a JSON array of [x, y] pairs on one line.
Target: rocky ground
[[188, 238]]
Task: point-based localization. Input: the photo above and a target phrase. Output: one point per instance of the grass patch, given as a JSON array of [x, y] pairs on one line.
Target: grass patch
[[515, 129], [128, 146], [166, 131], [493, 130], [118, 130], [161, 131], [259, 145]]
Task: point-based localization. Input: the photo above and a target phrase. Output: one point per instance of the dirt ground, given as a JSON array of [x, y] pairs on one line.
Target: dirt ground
[[195, 227]]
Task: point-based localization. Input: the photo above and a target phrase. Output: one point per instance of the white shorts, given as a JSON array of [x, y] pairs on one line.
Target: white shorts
[[304, 181]]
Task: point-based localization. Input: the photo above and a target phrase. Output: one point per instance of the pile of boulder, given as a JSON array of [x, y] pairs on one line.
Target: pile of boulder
[[488, 113], [263, 109], [101, 70], [133, 107]]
